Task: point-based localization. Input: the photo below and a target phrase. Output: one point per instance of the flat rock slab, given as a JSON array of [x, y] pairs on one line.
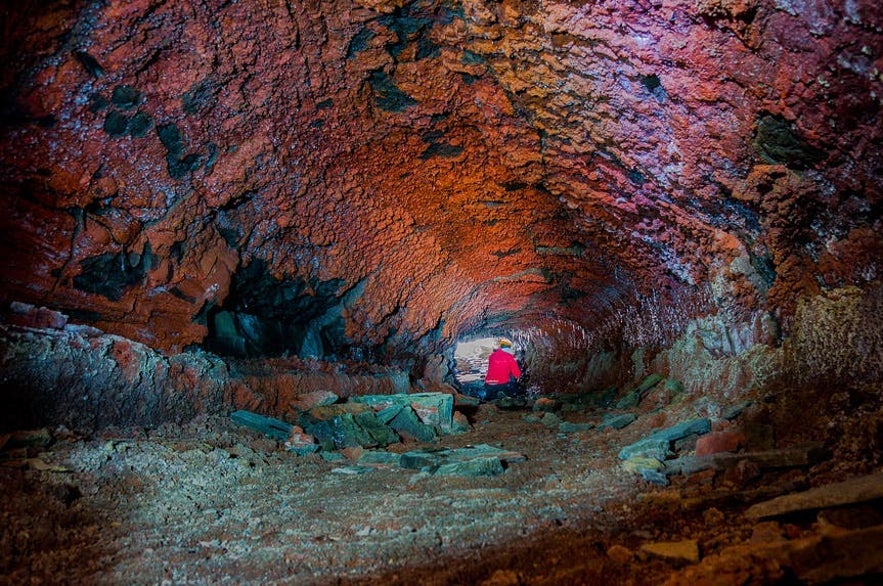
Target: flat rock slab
[[480, 460], [617, 421], [650, 469], [638, 463], [461, 400], [733, 411], [647, 447], [786, 458], [568, 427], [379, 458], [851, 554], [687, 550], [41, 438], [380, 433], [329, 412], [856, 490], [353, 470], [682, 430], [266, 425], [550, 420], [656, 445]]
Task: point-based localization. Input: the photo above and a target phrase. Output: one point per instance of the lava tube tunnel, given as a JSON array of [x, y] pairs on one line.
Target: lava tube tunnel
[[441, 292]]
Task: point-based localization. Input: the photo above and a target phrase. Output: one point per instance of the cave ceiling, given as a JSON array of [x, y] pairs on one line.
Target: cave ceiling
[[404, 172]]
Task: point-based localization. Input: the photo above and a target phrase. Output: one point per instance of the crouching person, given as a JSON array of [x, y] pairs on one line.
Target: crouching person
[[503, 372]]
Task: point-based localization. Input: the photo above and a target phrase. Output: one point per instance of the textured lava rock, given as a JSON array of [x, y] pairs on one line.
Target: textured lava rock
[[370, 179], [52, 372]]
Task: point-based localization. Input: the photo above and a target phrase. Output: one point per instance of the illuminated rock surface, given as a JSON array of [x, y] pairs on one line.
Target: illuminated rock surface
[[211, 206], [376, 178]]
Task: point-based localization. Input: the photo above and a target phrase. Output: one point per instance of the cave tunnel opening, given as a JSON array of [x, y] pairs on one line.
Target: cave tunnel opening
[[554, 356], [470, 358]]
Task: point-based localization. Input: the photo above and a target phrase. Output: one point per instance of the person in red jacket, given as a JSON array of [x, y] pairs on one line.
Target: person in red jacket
[[503, 372]]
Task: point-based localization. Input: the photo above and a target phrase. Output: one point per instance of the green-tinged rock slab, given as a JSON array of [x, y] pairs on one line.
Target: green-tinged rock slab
[[387, 414], [481, 466], [408, 425], [649, 382], [480, 460], [347, 433], [734, 411], [328, 412], [618, 421], [433, 409], [648, 447], [321, 430], [674, 386], [379, 458], [381, 434], [568, 427], [654, 477], [550, 420], [657, 443], [629, 401], [461, 400], [268, 426]]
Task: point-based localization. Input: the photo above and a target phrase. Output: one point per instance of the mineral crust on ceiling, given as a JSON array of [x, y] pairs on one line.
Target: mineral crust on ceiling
[[385, 175]]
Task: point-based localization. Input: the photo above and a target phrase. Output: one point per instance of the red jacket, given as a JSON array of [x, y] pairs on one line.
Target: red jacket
[[500, 366]]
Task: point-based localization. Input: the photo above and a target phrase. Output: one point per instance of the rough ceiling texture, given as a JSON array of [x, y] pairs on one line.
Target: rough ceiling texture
[[378, 176]]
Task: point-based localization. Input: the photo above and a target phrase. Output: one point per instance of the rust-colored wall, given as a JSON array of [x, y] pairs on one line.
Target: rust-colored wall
[[452, 162]]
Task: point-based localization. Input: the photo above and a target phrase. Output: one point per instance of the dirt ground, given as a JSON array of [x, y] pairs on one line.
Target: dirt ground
[[215, 503]]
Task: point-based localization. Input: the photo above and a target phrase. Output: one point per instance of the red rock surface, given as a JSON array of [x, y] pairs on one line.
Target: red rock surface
[[719, 441], [450, 162], [85, 379]]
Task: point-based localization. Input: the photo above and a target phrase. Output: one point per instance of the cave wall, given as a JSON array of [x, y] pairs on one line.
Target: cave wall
[[54, 372], [390, 174]]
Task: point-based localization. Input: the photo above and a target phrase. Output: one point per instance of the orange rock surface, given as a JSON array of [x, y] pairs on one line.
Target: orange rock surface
[[409, 171]]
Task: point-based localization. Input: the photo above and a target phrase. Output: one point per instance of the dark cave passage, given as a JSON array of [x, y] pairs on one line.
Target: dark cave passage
[[263, 317]]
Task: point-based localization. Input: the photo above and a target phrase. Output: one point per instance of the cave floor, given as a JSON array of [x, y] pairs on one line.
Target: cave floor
[[212, 503]]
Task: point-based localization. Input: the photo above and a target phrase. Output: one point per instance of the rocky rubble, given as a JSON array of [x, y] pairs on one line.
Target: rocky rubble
[[212, 498], [378, 421], [87, 379]]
